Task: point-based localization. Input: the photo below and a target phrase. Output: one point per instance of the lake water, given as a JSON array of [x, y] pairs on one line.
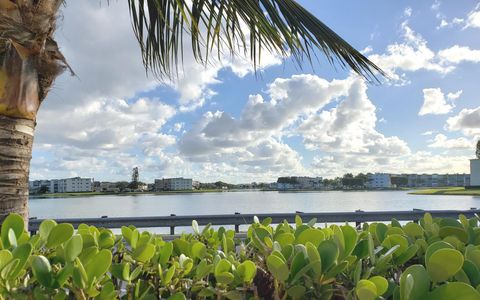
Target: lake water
[[242, 202]]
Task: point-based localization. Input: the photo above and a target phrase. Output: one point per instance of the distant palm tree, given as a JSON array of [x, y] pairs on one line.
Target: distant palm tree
[[31, 60]]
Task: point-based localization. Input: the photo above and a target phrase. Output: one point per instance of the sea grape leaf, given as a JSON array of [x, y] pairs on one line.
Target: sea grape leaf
[[42, 270], [98, 265], [381, 283], [73, 247], [278, 268], [444, 263], [366, 290], [12, 222], [59, 234], [454, 290], [329, 253]]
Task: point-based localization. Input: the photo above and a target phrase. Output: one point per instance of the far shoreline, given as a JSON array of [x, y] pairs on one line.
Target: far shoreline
[[448, 191], [94, 194]]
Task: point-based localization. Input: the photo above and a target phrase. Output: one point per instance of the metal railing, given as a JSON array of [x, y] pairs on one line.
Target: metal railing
[[237, 219]]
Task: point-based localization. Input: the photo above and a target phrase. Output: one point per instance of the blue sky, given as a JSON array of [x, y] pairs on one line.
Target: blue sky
[[222, 122]]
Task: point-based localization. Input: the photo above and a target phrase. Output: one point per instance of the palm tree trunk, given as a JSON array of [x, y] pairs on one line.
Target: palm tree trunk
[[16, 139], [19, 103], [30, 60]]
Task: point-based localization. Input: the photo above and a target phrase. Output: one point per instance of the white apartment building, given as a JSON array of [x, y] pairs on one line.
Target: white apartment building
[[173, 184], [379, 181], [67, 185]]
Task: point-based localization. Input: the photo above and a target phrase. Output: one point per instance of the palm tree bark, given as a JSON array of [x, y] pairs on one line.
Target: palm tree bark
[[29, 63], [16, 140], [19, 103]]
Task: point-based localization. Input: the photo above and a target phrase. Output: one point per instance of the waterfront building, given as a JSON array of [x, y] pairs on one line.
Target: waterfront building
[[475, 171], [173, 184], [437, 180], [106, 187], [67, 185], [299, 183], [378, 181], [36, 185]]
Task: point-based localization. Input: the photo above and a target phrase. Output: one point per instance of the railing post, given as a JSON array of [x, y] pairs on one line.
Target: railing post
[[172, 227], [32, 232], [358, 224], [237, 226], [416, 220]]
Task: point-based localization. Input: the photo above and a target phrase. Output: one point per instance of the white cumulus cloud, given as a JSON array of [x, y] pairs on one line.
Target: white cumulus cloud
[[467, 121], [435, 103], [442, 141], [457, 54]]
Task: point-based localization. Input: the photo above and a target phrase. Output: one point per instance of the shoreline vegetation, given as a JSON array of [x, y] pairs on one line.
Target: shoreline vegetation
[[452, 191], [380, 260], [92, 194], [88, 194]]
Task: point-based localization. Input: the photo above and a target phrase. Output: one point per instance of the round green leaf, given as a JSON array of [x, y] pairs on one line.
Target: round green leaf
[[312, 235], [314, 258], [5, 257], [225, 277], [381, 283], [454, 290], [45, 227], [121, 271], [22, 253], [247, 270], [297, 291], [106, 240], [444, 263], [144, 253], [329, 253], [380, 231], [396, 239], [165, 253], [350, 236], [434, 247], [59, 235], [169, 275], [181, 246], [278, 268], [222, 266], [419, 285], [16, 224], [413, 230], [450, 222], [473, 254], [98, 265], [406, 255], [472, 272], [199, 250], [366, 290], [285, 239], [457, 232], [73, 247], [42, 270]]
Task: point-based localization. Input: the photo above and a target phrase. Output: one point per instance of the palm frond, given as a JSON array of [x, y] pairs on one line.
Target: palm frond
[[282, 27]]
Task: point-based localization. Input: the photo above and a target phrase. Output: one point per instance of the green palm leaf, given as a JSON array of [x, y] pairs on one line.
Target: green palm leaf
[[280, 26]]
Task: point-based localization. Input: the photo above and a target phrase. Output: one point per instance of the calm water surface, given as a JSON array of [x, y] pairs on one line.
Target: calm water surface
[[242, 202]]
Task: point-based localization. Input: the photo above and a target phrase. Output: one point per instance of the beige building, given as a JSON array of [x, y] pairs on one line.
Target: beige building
[[173, 184]]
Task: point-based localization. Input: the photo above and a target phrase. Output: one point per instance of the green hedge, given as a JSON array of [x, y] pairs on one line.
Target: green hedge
[[435, 259]]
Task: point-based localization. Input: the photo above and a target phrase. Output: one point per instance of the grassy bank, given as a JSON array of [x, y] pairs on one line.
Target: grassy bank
[[447, 191], [89, 194]]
